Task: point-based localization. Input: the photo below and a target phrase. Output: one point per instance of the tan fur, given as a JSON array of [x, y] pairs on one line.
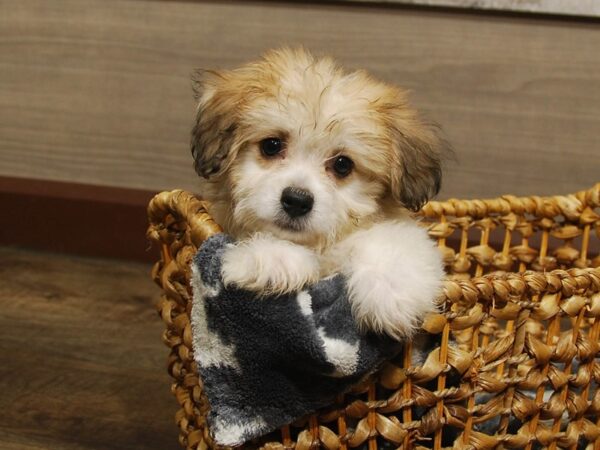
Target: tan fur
[[320, 111], [396, 147]]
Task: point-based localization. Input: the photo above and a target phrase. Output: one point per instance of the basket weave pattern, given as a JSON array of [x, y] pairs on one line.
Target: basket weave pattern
[[521, 304]]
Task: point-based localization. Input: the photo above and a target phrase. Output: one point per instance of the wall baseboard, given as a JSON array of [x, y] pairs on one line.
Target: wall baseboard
[[99, 221], [87, 220]]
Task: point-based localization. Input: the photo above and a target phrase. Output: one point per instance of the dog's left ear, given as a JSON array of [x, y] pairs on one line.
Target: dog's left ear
[[214, 134], [418, 151]]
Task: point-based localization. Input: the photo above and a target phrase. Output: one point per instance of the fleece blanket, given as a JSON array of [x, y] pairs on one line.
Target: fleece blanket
[[268, 361]]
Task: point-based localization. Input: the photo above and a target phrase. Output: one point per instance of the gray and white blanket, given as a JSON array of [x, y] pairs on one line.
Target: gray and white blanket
[[267, 361]]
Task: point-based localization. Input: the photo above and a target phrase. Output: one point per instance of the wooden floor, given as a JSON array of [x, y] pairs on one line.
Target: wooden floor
[[82, 365]]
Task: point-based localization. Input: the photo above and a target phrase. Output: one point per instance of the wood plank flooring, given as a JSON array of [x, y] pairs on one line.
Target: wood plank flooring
[[82, 365]]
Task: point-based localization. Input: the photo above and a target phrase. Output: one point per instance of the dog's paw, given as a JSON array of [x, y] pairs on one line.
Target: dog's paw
[[268, 265], [394, 275]]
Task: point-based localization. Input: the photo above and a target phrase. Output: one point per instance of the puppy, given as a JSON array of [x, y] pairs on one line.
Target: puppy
[[313, 170]]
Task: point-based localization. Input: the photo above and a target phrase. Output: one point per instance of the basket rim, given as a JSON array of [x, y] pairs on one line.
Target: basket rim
[[570, 205], [189, 207]]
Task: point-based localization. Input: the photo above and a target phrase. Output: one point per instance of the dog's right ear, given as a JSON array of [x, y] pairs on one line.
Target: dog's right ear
[[214, 134]]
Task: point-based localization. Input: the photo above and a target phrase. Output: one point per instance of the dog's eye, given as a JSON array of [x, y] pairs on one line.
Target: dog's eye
[[271, 146], [342, 166]]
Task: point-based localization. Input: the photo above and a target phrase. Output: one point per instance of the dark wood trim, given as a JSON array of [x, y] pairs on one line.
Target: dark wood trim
[[74, 191], [81, 219], [88, 220]]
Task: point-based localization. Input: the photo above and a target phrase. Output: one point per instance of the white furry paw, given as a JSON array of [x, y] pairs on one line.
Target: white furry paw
[[268, 265], [394, 275]]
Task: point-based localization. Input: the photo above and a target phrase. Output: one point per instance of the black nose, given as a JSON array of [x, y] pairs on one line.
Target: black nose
[[296, 202]]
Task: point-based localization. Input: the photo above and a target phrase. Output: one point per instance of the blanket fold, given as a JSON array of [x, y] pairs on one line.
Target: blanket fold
[[267, 361]]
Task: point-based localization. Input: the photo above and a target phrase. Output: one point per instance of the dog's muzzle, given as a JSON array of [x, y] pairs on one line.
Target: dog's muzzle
[[296, 202]]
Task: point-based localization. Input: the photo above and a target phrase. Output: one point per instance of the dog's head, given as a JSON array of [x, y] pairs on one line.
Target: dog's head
[[301, 148]]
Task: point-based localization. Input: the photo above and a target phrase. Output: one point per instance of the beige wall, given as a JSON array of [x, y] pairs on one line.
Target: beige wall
[[98, 91]]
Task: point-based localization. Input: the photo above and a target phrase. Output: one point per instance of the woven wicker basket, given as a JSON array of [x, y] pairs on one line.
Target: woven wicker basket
[[522, 304]]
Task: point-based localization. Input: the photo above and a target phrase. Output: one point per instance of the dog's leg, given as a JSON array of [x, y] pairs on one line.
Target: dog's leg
[[269, 265], [394, 274]]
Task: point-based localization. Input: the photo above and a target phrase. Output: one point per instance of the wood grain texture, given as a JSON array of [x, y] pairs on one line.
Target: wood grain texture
[[98, 92], [83, 366], [75, 218]]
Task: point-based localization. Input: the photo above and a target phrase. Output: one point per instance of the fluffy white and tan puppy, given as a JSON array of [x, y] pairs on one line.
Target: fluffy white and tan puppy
[[312, 169]]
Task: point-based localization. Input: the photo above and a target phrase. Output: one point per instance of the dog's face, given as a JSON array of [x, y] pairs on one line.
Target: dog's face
[[295, 146]]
